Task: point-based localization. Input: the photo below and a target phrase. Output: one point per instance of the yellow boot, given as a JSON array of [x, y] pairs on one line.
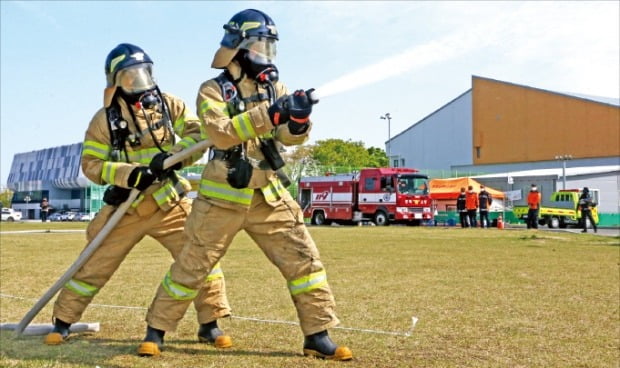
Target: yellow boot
[[59, 334], [154, 340], [211, 334], [320, 345]]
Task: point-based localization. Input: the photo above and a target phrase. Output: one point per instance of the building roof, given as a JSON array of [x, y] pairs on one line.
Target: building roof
[[570, 171]]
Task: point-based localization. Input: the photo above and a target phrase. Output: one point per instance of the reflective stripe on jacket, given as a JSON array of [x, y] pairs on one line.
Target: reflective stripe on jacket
[[272, 192]]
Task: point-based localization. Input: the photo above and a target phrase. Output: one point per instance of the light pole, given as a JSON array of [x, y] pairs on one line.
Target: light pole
[[563, 158], [388, 118]]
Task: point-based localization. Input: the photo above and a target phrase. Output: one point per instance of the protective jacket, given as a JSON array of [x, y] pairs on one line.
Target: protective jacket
[[460, 203], [102, 163], [264, 209], [160, 211], [585, 202], [485, 200], [226, 128], [471, 201], [533, 200]]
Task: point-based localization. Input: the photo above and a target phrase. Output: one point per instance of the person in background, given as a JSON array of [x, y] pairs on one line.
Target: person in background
[[461, 208], [484, 200], [125, 145], [248, 114], [471, 203], [45, 209], [586, 203], [533, 204]]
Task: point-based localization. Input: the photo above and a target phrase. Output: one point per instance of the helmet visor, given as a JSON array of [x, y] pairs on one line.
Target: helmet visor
[[135, 79], [261, 51]]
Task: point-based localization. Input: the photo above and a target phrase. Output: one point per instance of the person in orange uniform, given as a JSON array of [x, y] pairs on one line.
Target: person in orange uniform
[[533, 203], [471, 203]]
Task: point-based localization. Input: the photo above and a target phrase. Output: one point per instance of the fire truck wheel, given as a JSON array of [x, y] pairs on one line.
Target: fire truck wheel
[[318, 218], [381, 218]]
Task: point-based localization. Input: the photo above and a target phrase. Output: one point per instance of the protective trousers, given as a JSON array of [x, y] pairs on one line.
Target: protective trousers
[[278, 229], [165, 227]]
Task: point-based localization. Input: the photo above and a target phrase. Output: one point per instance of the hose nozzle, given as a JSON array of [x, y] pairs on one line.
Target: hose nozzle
[[313, 96]]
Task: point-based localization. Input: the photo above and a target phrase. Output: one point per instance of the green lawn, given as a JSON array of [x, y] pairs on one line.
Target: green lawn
[[483, 298]]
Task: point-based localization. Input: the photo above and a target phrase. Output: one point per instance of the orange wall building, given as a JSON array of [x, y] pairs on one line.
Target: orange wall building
[[513, 123]]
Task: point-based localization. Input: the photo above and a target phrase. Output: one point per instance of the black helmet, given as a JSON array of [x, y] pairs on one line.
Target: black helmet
[[251, 30], [586, 190], [129, 67]]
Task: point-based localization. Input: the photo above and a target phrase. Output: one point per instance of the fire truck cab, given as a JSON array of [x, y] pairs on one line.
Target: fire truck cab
[[382, 195]]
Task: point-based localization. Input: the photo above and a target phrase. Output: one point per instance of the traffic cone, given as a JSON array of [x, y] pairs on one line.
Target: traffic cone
[[500, 222]]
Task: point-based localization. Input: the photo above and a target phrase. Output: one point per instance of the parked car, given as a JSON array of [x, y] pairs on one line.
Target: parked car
[[10, 215], [83, 217], [56, 216], [68, 216]]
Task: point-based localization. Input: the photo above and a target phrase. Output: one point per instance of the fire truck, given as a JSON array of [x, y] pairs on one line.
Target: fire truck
[[382, 195]]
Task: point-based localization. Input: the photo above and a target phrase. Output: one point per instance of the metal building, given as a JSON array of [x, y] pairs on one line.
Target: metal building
[[54, 173], [501, 128]]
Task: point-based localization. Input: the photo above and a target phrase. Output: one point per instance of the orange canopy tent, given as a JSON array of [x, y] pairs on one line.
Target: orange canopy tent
[[450, 188]]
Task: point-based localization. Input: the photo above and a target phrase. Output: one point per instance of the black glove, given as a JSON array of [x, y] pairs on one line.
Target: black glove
[[141, 178], [300, 108], [157, 165], [278, 112]]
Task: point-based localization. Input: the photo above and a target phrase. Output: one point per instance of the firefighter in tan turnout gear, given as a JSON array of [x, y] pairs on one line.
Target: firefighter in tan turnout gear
[[248, 115], [125, 146]]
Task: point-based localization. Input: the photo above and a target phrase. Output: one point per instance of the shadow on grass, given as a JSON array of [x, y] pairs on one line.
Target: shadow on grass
[[85, 349]]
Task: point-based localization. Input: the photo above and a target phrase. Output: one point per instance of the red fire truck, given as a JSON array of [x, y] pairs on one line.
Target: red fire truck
[[383, 195]]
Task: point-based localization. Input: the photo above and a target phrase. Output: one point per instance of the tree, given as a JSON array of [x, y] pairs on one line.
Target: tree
[[6, 197], [336, 152], [378, 157]]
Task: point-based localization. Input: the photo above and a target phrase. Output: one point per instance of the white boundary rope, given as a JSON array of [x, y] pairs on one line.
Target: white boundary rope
[[408, 333]]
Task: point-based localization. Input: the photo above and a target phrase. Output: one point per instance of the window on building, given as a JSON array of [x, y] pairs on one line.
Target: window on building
[[76, 193]]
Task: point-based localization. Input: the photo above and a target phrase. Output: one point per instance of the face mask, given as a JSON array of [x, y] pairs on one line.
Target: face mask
[[147, 99]]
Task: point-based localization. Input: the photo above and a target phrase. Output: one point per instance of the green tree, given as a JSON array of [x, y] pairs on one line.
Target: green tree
[[337, 152], [6, 196], [378, 157]]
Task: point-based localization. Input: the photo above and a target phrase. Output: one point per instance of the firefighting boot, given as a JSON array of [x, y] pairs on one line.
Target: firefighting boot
[[58, 334], [211, 334], [320, 345], [153, 342]]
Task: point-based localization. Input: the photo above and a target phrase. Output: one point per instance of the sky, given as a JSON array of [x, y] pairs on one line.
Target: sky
[[365, 58]]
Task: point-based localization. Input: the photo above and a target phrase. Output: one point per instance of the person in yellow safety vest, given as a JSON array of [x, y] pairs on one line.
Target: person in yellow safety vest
[[125, 146], [248, 114]]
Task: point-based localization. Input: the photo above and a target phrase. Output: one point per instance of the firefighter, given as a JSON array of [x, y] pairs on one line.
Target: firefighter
[[533, 203], [461, 201], [124, 146], [248, 114], [585, 204], [484, 200], [471, 204]]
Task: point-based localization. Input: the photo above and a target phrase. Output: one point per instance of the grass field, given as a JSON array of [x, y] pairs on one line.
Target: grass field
[[483, 298]]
